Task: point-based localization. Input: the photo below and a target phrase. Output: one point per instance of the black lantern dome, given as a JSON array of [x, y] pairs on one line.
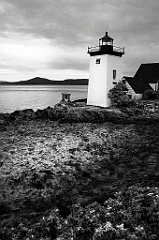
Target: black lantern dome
[[106, 40]]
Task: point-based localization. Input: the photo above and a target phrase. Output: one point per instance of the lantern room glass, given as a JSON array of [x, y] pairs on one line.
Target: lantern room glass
[[103, 41]]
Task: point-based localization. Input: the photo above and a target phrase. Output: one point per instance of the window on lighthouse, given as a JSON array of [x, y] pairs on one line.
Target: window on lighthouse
[[98, 61], [114, 74]]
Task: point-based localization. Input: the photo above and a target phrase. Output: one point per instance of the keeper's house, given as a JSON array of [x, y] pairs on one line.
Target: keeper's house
[[146, 77]]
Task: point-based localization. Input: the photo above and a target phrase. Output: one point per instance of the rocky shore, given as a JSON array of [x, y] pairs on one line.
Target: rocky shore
[[56, 157], [80, 113]]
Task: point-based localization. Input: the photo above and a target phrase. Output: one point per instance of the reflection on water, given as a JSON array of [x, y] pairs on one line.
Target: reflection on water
[[36, 96]]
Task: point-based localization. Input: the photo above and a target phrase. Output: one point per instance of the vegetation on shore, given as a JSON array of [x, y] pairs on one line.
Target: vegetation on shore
[[79, 173]]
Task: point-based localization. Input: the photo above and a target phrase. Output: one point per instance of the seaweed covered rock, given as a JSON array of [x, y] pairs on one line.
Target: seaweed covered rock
[[47, 113], [22, 114]]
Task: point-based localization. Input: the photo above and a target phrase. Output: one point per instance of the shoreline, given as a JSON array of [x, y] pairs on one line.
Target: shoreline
[[78, 112]]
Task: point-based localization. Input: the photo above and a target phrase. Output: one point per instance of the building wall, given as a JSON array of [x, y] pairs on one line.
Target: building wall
[[97, 81], [101, 78], [130, 90], [132, 93], [114, 63], [154, 86]]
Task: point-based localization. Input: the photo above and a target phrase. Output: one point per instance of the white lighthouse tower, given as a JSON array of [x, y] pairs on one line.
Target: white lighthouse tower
[[105, 71]]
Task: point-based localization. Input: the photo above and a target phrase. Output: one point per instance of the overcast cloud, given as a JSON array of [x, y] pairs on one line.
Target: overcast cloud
[[49, 38]]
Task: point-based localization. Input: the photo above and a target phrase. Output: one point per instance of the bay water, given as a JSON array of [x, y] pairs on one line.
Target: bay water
[[13, 97]]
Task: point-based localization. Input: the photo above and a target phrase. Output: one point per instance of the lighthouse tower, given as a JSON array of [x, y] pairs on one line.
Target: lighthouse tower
[[105, 71]]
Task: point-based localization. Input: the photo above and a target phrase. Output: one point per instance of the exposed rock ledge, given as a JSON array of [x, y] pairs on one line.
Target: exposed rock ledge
[[65, 113]]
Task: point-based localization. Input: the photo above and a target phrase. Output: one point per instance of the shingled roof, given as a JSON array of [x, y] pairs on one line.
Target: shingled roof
[[147, 73]]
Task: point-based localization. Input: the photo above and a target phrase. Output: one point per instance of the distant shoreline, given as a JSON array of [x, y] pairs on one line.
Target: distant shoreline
[[44, 81]]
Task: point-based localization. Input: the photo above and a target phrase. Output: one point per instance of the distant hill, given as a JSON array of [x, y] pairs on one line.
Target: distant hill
[[43, 81], [3, 82]]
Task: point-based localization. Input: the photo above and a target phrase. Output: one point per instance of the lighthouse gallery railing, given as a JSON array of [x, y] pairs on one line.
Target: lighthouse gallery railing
[[98, 48]]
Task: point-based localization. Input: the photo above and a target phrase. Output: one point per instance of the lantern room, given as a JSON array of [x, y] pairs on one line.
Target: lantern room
[[106, 47], [106, 40]]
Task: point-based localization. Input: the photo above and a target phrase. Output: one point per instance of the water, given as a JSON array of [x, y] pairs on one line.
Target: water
[[36, 96]]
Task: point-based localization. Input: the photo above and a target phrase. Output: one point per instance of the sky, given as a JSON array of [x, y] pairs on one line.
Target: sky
[[50, 38]]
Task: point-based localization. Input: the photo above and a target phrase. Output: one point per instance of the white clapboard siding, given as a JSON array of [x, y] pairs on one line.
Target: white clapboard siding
[[132, 93], [154, 86], [130, 90]]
